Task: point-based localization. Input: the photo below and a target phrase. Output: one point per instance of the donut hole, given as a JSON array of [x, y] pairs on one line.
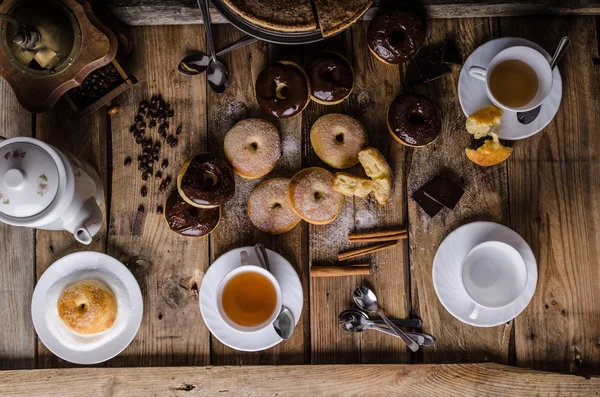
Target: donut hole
[[318, 196], [276, 206], [192, 212], [210, 179], [282, 91], [416, 119], [398, 36], [254, 146], [339, 138], [82, 308]]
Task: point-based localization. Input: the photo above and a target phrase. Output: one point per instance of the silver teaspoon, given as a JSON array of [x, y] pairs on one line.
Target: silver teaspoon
[[285, 322], [367, 301], [357, 321], [561, 50], [216, 73], [197, 63]]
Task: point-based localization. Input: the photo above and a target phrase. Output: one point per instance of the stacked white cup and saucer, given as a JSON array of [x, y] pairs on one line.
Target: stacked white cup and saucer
[[240, 301], [475, 78], [484, 274]]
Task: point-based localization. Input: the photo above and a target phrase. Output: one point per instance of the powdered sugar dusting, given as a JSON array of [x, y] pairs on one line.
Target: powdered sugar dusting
[[313, 196], [269, 207]]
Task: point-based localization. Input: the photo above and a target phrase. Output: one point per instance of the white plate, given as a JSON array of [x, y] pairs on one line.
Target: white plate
[[446, 272], [291, 289], [65, 343], [472, 93]]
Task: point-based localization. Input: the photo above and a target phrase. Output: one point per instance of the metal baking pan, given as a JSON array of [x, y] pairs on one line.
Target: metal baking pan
[[266, 34]]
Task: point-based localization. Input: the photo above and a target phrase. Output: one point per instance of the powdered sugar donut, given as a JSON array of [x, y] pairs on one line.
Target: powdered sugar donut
[[252, 147], [269, 207], [337, 139], [312, 196]]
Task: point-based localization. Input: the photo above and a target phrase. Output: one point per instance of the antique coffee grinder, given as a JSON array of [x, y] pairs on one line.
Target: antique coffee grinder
[[49, 47]]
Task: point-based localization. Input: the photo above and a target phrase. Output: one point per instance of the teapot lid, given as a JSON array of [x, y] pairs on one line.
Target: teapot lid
[[28, 179]]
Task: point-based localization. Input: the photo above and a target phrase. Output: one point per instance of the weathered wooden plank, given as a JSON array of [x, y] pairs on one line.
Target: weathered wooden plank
[[376, 86], [554, 183], [86, 138], [168, 267], [329, 296], [17, 259], [178, 12], [236, 229], [469, 380], [486, 198]]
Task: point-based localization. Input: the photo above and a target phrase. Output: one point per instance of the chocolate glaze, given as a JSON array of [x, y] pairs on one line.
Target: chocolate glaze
[[198, 185], [188, 220], [396, 35], [295, 95], [331, 77], [414, 119]]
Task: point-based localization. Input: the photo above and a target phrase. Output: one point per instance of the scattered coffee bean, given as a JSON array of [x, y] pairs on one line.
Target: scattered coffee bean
[[159, 210], [179, 128], [170, 139], [149, 173], [144, 191], [133, 128], [170, 113], [150, 163], [165, 164], [174, 142], [138, 119], [144, 176], [152, 123], [127, 161], [162, 187], [167, 181], [141, 208], [158, 174], [113, 109], [139, 140]]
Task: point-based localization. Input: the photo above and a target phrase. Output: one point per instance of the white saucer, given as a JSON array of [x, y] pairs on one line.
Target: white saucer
[[472, 92], [62, 341], [291, 289], [447, 265]]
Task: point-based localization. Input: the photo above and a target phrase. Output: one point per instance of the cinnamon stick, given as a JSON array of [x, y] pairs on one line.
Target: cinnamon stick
[[365, 250], [380, 233], [378, 239], [338, 271]]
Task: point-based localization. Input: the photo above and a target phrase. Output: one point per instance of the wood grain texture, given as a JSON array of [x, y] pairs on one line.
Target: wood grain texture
[[469, 380], [177, 12], [17, 259], [376, 86], [485, 198], [168, 267], [554, 180], [236, 229], [86, 138]]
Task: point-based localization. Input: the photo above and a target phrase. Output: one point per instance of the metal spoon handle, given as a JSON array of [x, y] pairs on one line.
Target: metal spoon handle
[[203, 4], [412, 345], [261, 252], [409, 323], [240, 43], [560, 52], [421, 338]]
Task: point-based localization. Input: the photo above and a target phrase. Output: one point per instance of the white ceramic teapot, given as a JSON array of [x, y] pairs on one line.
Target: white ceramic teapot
[[45, 188]]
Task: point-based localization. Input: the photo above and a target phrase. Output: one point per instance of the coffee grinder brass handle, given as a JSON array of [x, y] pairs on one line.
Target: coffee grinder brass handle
[[25, 38]]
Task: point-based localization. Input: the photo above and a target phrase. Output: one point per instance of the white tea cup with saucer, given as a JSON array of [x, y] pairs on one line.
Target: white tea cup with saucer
[[493, 275], [531, 57]]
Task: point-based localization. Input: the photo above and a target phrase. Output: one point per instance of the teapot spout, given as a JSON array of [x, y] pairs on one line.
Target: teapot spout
[[87, 222]]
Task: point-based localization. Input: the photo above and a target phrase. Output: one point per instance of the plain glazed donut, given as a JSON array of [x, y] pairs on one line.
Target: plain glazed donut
[[269, 207], [283, 89], [337, 139], [87, 307], [395, 36], [206, 181], [188, 220], [252, 147], [331, 78], [312, 196], [414, 120]]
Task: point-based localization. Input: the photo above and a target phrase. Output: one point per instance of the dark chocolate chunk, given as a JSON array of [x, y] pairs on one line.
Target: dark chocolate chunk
[[428, 205], [430, 63], [451, 53], [445, 191]]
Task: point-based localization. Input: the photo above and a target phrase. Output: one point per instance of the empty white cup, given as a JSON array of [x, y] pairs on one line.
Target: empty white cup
[[533, 58], [494, 275]]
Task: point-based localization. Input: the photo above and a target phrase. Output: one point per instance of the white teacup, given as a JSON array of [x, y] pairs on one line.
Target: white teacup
[[494, 275], [531, 57], [244, 269]]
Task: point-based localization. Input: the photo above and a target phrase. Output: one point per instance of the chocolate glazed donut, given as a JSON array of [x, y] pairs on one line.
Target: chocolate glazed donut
[[396, 35], [283, 89], [206, 181], [414, 120], [190, 221], [331, 78]]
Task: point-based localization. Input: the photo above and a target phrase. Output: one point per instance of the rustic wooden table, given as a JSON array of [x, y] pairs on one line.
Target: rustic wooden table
[[547, 191]]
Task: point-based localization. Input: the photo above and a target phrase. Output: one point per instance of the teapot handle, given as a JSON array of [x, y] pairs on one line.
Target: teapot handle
[[87, 222]]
